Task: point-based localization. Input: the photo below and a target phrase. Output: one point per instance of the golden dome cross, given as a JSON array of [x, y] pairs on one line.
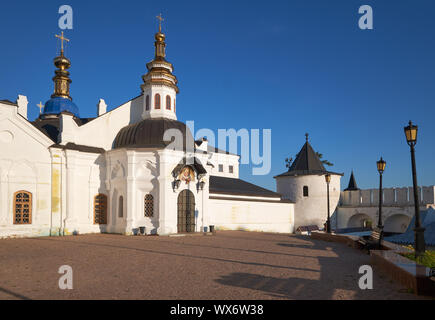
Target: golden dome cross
[[159, 17], [62, 39], [40, 105]]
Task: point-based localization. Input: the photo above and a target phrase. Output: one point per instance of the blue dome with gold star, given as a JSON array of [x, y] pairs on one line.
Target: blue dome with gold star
[[58, 104]]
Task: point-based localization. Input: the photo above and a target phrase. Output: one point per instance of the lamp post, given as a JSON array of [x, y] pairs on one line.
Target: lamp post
[[411, 138], [328, 221], [381, 167]]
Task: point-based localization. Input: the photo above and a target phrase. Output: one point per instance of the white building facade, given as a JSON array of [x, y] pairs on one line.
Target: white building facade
[[304, 184], [132, 169]]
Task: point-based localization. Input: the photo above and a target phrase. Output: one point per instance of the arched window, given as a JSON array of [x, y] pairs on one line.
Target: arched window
[[157, 101], [100, 209], [149, 205], [121, 207], [305, 191], [168, 102], [147, 103], [23, 207]]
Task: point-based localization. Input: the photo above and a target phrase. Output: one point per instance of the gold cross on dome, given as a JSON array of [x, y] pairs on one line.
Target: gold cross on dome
[[40, 107], [159, 17], [62, 39]]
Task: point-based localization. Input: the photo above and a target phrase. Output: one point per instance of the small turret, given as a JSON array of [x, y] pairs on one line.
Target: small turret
[[160, 85], [304, 184], [61, 99], [352, 184]]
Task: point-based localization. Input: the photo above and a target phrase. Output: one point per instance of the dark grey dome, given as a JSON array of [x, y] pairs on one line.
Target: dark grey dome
[[149, 133]]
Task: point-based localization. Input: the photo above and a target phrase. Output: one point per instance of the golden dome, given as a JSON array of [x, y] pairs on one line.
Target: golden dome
[[62, 62], [160, 36]]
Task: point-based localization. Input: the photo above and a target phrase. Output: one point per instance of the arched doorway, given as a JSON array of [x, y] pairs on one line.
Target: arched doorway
[[186, 212], [397, 223], [360, 220]]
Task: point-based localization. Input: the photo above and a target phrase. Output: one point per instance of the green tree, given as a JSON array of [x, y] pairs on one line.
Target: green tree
[[288, 162], [325, 162]]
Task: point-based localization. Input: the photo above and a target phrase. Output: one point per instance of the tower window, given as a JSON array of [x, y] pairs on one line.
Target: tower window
[[168, 102], [157, 101], [149, 205], [231, 169], [121, 207], [147, 103], [100, 209], [305, 190], [23, 207]]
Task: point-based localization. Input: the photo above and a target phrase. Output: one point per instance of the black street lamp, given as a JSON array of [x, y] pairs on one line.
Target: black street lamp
[[381, 167], [328, 221], [411, 138]]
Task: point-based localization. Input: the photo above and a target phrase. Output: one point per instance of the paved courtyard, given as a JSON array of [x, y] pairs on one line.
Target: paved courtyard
[[229, 265]]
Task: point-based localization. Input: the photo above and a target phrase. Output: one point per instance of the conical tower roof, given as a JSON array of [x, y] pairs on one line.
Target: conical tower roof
[[352, 184], [307, 162]]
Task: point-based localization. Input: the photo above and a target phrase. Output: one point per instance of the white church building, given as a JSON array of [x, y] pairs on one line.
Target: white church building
[[137, 169], [119, 172]]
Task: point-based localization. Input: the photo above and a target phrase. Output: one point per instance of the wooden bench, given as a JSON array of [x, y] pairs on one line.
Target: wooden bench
[[373, 241]]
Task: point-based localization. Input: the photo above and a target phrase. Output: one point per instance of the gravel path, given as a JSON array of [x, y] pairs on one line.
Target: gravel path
[[229, 265]]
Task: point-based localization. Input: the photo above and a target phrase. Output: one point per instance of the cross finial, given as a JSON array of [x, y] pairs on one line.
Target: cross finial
[[40, 107], [159, 17], [62, 39], [306, 137]]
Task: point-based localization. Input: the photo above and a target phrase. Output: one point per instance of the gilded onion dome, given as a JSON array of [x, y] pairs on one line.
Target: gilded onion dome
[[160, 70], [61, 79], [61, 99]]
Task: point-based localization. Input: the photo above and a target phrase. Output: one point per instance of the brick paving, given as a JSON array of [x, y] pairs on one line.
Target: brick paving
[[229, 265]]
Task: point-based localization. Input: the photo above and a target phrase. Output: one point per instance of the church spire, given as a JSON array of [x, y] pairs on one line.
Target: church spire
[[60, 99], [160, 41], [61, 79], [160, 84], [352, 184]]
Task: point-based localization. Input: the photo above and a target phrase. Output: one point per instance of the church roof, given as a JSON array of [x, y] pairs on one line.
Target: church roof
[[306, 163], [149, 133], [233, 186], [8, 102], [213, 149], [217, 150], [58, 104], [79, 147], [352, 184], [50, 126]]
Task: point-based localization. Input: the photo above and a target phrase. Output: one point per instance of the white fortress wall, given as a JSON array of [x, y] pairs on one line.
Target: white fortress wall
[[397, 207]]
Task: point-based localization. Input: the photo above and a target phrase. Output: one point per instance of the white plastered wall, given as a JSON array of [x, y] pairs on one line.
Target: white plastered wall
[[311, 210], [397, 207], [135, 173], [25, 164], [101, 131], [226, 160], [248, 215], [163, 91]]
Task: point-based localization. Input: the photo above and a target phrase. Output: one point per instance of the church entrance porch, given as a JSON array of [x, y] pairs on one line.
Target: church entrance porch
[[186, 212]]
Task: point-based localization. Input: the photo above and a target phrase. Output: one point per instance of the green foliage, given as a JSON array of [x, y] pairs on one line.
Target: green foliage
[[427, 259], [288, 162], [325, 162]]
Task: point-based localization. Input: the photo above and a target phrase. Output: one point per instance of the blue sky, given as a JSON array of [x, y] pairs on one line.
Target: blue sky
[[291, 66]]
